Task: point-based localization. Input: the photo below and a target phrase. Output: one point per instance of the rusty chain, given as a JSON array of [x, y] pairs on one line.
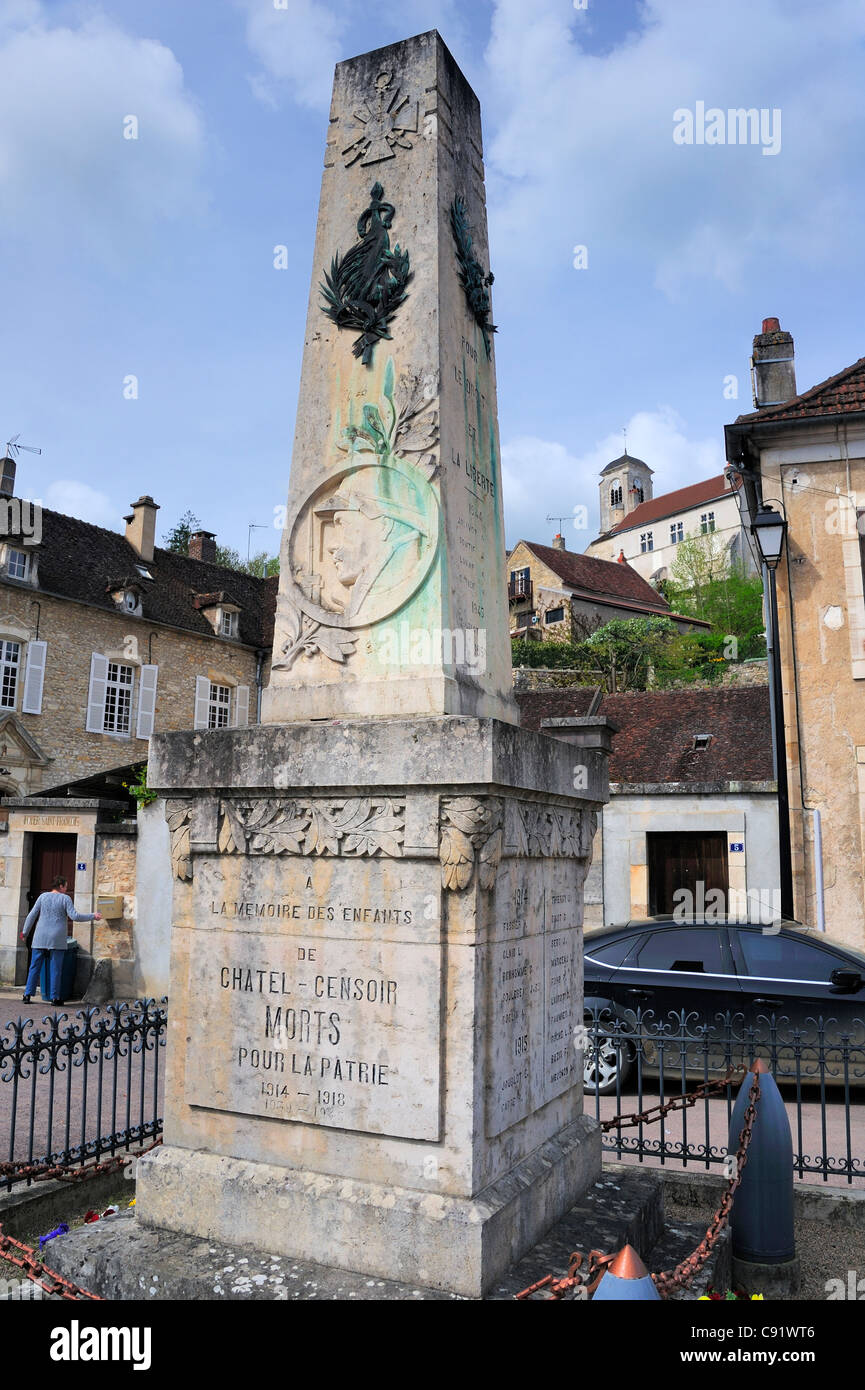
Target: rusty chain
[[701, 1092], [68, 1172], [29, 1261], [577, 1280]]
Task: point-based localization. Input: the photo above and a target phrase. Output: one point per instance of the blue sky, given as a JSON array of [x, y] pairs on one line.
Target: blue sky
[[153, 257]]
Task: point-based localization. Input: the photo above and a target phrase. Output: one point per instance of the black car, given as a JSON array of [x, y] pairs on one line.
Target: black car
[[695, 999]]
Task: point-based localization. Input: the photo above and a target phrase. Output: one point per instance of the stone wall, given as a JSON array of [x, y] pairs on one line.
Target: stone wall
[[115, 877], [72, 632], [550, 678]]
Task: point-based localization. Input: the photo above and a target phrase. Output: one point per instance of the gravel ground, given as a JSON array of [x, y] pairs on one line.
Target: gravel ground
[[825, 1251]]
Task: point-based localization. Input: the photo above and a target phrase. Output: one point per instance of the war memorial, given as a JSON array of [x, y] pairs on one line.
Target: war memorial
[[376, 969]]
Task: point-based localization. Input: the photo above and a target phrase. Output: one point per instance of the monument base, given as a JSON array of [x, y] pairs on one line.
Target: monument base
[[457, 1244], [376, 993]]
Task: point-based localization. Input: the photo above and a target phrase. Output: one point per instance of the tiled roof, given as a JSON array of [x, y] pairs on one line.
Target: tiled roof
[[599, 578], [536, 705], [655, 742], [623, 458], [670, 503], [842, 394], [656, 729], [78, 560]]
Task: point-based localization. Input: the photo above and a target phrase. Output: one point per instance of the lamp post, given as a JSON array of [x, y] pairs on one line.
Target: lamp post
[[769, 529]]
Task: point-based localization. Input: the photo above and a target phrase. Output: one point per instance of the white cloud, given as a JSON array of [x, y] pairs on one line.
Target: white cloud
[[541, 478], [583, 149], [80, 500], [297, 46], [66, 170]]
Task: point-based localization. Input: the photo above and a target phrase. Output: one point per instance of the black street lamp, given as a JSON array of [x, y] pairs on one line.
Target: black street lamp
[[769, 530]]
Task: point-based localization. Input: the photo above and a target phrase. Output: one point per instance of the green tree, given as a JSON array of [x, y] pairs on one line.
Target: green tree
[[178, 538], [638, 653], [705, 584], [261, 565]]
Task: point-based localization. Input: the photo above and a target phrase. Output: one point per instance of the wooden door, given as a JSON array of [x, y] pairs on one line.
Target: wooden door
[[696, 861], [52, 855]]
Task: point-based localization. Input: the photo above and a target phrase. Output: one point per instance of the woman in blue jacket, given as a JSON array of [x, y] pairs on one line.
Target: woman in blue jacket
[[49, 913]]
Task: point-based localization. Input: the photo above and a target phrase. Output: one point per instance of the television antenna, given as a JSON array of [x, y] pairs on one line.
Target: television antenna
[[560, 520], [254, 526], [12, 444]]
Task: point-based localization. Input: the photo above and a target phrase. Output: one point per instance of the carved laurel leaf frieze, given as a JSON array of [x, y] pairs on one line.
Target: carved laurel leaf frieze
[[178, 815], [552, 832], [352, 827], [470, 837]]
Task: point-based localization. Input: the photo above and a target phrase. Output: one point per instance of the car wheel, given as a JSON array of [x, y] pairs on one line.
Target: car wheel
[[606, 1064]]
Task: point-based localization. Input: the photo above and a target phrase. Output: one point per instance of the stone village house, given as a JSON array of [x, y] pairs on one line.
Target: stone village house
[[645, 530], [692, 799], [104, 639], [804, 455], [553, 592]]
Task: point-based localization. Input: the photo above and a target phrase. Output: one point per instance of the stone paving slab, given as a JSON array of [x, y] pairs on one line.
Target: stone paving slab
[[120, 1259]]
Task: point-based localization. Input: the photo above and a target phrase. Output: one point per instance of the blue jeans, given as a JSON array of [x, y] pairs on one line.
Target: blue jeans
[[54, 968]]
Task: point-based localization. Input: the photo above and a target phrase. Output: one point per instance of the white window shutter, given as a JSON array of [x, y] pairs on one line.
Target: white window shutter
[[34, 678], [202, 700], [96, 695], [146, 701], [241, 706]]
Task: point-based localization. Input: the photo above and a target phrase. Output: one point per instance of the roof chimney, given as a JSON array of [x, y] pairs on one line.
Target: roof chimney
[[559, 542], [7, 477], [620, 558], [773, 367], [141, 527], [202, 546]]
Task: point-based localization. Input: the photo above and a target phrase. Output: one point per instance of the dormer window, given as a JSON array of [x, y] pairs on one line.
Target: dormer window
[[18, 564], [701, 742], [228, 623], [127, 597]]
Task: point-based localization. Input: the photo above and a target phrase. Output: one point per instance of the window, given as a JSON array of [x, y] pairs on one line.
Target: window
[[521, 581], [228, 624], [707, 522], [616, 495], [637, 490], [780, 958], [18, 564], [684, 948], [130, 601], [677, 532], [118, 699], [218, 706], [613, 953], [554, 615], [647, 541], [10, 653]]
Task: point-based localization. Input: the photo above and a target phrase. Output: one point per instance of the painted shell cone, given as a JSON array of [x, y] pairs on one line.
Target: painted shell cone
[[626, 1278]]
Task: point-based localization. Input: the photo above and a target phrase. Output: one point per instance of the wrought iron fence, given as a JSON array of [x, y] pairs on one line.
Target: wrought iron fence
[[77, 1088], [634, 1059]]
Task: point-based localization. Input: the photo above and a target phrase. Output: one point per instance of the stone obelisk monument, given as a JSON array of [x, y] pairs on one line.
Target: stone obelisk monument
[[377, 923]]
